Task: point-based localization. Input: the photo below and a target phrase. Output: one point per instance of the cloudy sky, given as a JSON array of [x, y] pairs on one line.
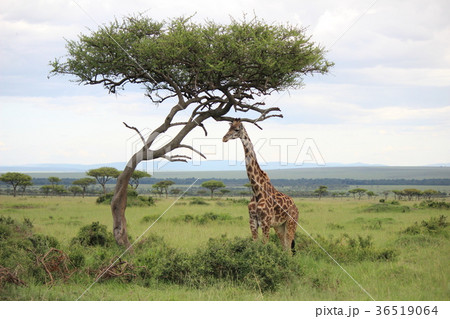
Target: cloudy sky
[[386, 101]]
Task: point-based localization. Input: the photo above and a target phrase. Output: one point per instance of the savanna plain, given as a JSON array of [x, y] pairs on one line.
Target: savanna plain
[[61, 248]]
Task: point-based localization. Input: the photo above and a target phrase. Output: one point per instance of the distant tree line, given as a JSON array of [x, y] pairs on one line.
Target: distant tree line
[[332, 183], [19, 183]]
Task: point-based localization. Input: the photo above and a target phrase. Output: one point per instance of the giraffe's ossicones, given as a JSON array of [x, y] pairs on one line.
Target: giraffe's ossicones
[[268, 207]]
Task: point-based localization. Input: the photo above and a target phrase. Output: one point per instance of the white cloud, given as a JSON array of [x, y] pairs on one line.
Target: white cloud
[[437, 77], [386, 101]]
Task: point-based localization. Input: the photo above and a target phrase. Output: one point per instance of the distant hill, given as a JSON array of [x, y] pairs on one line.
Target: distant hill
[[223, 169]]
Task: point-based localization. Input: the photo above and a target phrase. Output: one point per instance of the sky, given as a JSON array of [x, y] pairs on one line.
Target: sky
[[386, 101]]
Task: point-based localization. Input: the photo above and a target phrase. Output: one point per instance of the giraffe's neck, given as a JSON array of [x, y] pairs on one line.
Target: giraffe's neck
[[258, 178]]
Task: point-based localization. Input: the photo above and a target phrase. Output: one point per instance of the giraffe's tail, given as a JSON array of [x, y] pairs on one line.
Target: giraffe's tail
[[293, 247]]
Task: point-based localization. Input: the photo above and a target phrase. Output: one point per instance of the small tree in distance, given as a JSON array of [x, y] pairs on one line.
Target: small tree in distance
[[136, 176], [15, 179], [212, 185], [163, 187], [84, 183], [357, 191], [76, 190], [103, 175], [322, 190]]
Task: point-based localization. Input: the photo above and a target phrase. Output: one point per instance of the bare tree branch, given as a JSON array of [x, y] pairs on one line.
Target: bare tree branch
[[133, 128], [176, 158], [192, 149]]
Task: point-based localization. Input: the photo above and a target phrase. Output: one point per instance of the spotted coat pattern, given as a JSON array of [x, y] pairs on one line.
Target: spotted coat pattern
[[268, 207]]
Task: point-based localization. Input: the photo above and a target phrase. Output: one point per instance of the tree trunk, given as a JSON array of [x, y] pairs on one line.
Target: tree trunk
[[118, 206]]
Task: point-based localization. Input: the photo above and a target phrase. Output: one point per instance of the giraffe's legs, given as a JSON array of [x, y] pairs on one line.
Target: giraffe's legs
[[281, 233], [291, 226], [265, 221], [253, 218]]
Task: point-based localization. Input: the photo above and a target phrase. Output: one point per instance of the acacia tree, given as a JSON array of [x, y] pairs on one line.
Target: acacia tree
[[84, 183], [205, 70], [322, 190], [16, 179], [212, 185], [136, 176], [103, 175]]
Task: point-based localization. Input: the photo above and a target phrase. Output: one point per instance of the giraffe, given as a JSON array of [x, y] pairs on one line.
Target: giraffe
[[268, 207]]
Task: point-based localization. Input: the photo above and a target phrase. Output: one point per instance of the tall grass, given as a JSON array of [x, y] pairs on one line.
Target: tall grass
[[353, 231]]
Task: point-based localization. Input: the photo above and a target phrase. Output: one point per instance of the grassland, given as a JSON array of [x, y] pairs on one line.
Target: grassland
[[416, 266]]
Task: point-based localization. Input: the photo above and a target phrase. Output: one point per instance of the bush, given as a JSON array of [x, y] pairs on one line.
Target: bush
[[344, 249], [241, 201], [434, 204], [93, 235], [42, 243], [150, 218], [198, 201], [435, 225], [387, 207], [159, 262], [206, 218], [240, 260], [244, 261], [132, 199], [105, 199]]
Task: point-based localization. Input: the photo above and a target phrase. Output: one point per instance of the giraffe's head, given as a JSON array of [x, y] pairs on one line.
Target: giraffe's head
[[236, 131]]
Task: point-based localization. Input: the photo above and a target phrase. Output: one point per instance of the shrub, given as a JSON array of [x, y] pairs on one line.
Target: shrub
[[240, 260], [198, 201], [434, 204], [149, 218], [105, 199], [159, 262], [93, 235], [132, 199], [387, 207], [334, 226], [42, 243], [245, 261], [205, 218], [435, 225], [344, 249], [242, 201]]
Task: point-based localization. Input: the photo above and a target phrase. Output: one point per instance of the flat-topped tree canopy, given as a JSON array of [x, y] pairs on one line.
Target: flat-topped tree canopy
[[180, 57], [209, 68]]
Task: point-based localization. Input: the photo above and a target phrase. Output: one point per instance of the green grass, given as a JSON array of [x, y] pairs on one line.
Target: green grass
[[419, 270]]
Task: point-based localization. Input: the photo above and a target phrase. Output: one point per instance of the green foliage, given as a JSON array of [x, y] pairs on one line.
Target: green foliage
[[103, 175], [321, 191], [240, 201], [241, 261], [245, 261], [433, 226], [42, 243], [20, 249], [104, 199], [344, 249], [206, 218], [387, 207], [334, 226], [243, 55], [197, 201], [357, 191], [132, 199], [15, 179], [212, 185], [94, 234], [434, 204], [84, 183], [149, 218], [136, 176]]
